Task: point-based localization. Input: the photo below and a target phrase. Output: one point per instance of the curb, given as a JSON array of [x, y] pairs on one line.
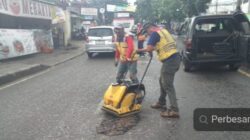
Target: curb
[[10, 77], [68, 59]]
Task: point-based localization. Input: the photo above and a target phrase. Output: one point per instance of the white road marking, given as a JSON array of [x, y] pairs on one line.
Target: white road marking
[[24, 79], [244, 73]]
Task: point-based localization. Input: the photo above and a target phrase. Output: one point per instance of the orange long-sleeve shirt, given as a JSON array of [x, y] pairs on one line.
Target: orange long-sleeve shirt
[[130, 42]]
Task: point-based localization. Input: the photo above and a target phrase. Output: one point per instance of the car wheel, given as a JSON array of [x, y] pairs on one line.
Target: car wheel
[[89, 55], [234, 67]]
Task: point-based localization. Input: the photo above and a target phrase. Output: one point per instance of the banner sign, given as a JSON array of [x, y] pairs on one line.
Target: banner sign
[[25, 8], [15, 42], [117, 8], [122, 15], [88, 17], [89, 11]]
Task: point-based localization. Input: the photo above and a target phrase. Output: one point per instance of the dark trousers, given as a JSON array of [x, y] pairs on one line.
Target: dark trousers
[[123, 68], [168, 70]]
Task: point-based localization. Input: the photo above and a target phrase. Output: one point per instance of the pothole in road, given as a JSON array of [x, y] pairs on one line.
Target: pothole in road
[[112, 126]]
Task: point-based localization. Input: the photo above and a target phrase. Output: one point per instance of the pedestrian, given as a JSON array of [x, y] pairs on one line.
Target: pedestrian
[[125, 56], [163, 43]]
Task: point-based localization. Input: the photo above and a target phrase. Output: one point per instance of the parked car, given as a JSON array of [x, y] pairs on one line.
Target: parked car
[[100, 39], [215, 40]]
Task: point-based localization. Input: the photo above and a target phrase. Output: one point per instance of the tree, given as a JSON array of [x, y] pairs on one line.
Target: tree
[[194, 7], [159, 11], [169, 10], [145, 10]]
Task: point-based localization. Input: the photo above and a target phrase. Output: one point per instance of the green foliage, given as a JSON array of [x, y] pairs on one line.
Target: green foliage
[[194, 7], [169, 10], [145, 10]]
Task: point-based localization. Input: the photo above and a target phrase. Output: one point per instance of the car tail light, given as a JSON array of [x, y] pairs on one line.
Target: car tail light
[[188, 43]]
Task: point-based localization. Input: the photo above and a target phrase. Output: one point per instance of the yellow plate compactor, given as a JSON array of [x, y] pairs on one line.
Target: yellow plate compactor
[[126, 98]]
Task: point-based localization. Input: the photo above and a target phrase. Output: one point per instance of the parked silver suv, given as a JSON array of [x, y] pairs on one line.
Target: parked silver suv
[[100, 40]]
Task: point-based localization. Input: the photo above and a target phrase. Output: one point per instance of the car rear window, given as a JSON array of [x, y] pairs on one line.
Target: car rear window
[[100, 32], [214, 25]]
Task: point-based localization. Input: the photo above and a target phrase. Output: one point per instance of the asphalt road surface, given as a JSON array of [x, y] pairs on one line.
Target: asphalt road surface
[[64, 102]]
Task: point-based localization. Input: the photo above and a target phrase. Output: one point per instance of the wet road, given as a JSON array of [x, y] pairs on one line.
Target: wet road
[[64, 102]]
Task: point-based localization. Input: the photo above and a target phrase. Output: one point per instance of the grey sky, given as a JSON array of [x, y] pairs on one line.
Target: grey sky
[[131, 1]]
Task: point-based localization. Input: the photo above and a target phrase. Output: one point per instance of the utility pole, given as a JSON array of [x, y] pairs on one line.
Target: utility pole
[[248, 6], [216, 7], [238, 7], [189, 7]]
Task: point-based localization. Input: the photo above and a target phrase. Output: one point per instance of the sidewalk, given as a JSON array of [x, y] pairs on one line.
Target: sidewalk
[[16, 68]]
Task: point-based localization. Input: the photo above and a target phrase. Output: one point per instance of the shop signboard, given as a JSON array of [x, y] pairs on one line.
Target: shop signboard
[[25, 8], [122, 15], [118, 8], [89, 11], [17, 42], [88, 17]]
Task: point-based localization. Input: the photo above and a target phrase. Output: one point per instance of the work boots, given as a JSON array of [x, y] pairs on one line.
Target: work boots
[[158, 106]]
